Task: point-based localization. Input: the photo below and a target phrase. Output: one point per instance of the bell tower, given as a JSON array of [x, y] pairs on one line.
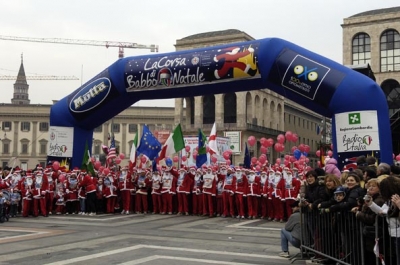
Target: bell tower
[[21, 87]]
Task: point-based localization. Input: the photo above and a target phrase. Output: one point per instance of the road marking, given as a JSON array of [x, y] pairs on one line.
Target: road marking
[[121, 250], [32, 234], [203, 261], [243, 225], [70, 245]]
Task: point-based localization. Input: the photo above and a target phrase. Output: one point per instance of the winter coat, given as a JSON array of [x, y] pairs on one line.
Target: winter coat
[[331, 168]]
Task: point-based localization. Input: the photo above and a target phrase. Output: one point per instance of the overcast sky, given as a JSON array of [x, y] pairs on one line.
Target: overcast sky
[[312, 24]]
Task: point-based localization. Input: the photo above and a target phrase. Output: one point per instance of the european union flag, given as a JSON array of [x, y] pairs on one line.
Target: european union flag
[[246, 161], [202, 152], [149, 145]]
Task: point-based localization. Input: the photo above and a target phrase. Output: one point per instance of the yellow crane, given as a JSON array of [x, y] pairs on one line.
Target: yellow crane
[[121, 45]]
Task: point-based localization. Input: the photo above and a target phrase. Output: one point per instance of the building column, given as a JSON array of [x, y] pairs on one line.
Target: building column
[[179, 111], [34, 138], [123, 143], [15, 139], [198, 112], [241, 109], [219, 109], [105, 133]]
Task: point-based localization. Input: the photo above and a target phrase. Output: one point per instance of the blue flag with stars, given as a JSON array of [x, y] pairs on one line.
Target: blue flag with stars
[[149, 145], [202, 152], [246, 160]]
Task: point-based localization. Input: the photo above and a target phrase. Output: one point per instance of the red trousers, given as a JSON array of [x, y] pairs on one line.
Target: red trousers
[[288, 208], [26, 207], [157, 206], [141, 203], [239, 204], [197, 204], [182, 202], [278, 208], [60, 208], [49, 201], [208, 207], [263, 206], [126, 200], [252, 206], [227, 199], [220, 205], [110, 202], [167, 202], [270, 208], [39, 203]]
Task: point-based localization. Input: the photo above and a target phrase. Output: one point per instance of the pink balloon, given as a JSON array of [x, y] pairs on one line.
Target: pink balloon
[[214, 159], [121, 155], [301, 147], [187, 148], [319, 163], [118, 161], [101, 168], [226, 155], [262, 140], [287, 157], [263, 149], [278, 161], [330, 153], [270, 142], [286, 162], [194, 155], [292, 159], [175, 159], [262, 159], [251, 140], [307, 160], [254, 160], [307, 149], [258, 168], [143, 159], [93, 160], [184, 158], [97, 165], [61, 178], [228, 162], [56, 165], [295, 138], [398, 157], [106, 171], [293, 149], [281, 139], [289, 135], [318, 153]]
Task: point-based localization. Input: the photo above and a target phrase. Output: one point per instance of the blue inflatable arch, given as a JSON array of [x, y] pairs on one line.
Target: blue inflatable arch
[[357, 105]]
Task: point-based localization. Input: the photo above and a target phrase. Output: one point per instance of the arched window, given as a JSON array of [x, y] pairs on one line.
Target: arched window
[[391, 88], [208, 109], [390, 51], [361, 49], [230, 108]]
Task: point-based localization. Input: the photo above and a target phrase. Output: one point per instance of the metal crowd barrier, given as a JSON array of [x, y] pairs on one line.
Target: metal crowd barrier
[[339, 238]]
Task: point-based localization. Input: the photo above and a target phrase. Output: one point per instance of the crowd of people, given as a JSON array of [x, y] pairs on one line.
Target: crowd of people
[[336, 206], [273, 193]]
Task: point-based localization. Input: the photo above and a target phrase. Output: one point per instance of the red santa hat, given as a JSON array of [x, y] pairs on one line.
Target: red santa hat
[[183, 168], [17, 169]]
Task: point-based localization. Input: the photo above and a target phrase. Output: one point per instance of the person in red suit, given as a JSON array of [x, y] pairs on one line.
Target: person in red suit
[[156, 192], [168, 188], [268, 193], [229, 60], [197, 191], [49, 197], [228, 192], [142, 183], [240, 191], [263, 197], [71, 194], [110, 192], [253, 192], [209, 191], [39, 193], [277, 195], [100, 205], [87, 184], [292, 188], [183, 185], [60, 197], [125, 187], [26, 186]]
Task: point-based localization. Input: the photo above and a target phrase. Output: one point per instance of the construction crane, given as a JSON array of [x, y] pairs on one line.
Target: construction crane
[[37, 77], [121, 45]]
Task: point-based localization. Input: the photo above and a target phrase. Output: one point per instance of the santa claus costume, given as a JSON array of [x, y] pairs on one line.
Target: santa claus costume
[[209, 191], [142, 183], [88, 185], [71, 194], [168, 188], [197, 192], [156, 192], [60, 199], [125, 187], [110, 192], [39, 192], [51, 177], [26, 187], [240, 192], [253, 192], [263, 195], [277, 193], [292, 188], [183, 185], [228, 192], [100, 200]]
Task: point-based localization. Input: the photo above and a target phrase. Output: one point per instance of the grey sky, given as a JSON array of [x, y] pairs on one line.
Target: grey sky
[[312, 24]]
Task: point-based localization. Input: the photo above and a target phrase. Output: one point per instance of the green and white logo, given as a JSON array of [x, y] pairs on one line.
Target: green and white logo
[[354, 118]]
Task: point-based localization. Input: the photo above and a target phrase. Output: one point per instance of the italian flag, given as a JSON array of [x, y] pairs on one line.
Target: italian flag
[[174, 143], [132, 157]]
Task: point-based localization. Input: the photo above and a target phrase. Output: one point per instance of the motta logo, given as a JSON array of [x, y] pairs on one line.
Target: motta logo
[[91, 95]]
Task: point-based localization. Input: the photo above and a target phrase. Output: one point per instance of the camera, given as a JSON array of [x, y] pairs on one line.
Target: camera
[[367, 198]]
